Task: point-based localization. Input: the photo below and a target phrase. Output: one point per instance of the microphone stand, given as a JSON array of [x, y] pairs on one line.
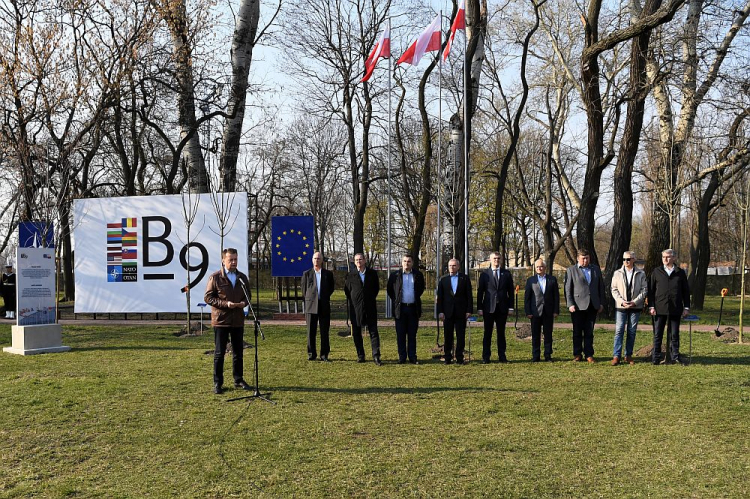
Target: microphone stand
[[256, 394]]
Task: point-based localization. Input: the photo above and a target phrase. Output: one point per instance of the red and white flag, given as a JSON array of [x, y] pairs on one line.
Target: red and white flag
[[459, 22], [381, 49], [428, 41]]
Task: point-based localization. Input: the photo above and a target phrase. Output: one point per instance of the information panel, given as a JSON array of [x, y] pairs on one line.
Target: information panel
[[132, 254], [35, 285]]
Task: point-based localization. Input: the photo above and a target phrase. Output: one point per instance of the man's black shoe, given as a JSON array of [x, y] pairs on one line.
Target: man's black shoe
[[485, 361], [377, 361], [324, 359], [547, 358], [311, 358], [218, 390], [415, 362], [241, 384], [360, 360], [504, 360], [536, 359], [401, 361]]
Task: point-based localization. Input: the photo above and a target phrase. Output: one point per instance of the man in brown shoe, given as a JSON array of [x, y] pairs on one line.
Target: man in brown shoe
[[629, 290], [584, 292]]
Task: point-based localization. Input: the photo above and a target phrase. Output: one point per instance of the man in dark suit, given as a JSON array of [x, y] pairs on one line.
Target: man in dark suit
[[317, 286], [494, 300], [454, 307], [542, 306], [669, 301], [405, 289], [584, 294], [361, 288]]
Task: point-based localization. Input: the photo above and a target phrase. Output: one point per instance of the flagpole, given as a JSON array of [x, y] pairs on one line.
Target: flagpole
[[388, 302], [440, 152], [467, 70]]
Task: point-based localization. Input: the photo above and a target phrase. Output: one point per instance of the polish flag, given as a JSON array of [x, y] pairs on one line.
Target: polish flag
[[458, 23], [428, 41], [381, 49]]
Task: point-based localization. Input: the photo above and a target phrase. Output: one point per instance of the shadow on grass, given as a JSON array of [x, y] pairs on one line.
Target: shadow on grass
[[134, 347], [719, 360], [394, 389]]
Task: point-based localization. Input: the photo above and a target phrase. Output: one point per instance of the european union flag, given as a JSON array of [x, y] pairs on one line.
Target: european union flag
[[292, 245]]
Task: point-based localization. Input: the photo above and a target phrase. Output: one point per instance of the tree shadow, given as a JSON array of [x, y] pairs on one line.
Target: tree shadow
[[394, 390], [134, 347], [719, 360]]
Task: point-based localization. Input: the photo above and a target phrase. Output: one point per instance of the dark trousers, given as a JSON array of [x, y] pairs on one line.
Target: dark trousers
[[372, 328], [406, 332], [312, 330], [660, 321], [537, 324], [583, 331], [459, 324], [492, 321], [221, 336]]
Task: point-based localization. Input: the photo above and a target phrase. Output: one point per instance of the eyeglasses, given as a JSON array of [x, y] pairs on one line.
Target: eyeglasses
[[627, 259]]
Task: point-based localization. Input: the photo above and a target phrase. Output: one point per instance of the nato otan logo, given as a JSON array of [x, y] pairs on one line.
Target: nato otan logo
[[122, 250]]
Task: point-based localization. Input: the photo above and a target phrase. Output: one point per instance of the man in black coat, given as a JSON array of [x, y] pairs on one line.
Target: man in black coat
[[669, 301], [584, 293], [494, 300], [454, 305], [317, 286], [405, 288], [9, 292], [361, 288], [542, 306]]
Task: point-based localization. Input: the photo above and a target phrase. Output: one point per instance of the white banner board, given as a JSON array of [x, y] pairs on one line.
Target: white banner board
[[132, 253], [35, 286]]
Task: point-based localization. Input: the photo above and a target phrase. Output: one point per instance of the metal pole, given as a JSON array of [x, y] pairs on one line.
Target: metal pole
[[467, 70], [440, 160], [388, 303]]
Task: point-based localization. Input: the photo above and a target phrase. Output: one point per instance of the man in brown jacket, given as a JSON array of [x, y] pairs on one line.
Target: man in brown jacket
[[227, 293]]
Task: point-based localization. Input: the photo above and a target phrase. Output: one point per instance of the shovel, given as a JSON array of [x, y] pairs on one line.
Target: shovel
[[721, 309]]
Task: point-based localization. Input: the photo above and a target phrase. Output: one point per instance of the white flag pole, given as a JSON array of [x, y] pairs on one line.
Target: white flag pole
[[467, 71], [388, 302]]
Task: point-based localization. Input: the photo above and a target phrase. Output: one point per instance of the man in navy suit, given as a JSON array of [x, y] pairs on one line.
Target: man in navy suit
[[454, 307], [584, 293], [317, 286], [494, 300], [405, 288], [542, 306], [361, 288]]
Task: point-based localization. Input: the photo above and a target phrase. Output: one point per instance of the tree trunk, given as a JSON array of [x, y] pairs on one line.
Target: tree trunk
[[191, 152], [703, 247], [243, 43], [623, 190]]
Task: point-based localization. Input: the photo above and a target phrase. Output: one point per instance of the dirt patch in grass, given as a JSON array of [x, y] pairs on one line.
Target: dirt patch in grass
[[727, 335]]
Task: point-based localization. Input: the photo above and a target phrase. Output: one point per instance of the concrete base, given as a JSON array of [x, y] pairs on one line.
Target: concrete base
[[30, 340]]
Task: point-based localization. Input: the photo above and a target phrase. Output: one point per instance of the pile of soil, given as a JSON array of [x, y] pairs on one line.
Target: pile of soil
[[195, 330], [524, 332], [728, 335], [646, 351]]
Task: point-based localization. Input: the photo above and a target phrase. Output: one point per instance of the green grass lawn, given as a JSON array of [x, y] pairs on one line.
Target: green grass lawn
[[129, 412]]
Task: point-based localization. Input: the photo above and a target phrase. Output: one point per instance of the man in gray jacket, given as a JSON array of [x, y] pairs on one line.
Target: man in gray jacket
[[584, 293], [629, 289]]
